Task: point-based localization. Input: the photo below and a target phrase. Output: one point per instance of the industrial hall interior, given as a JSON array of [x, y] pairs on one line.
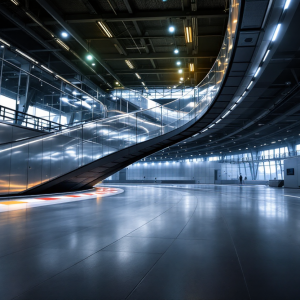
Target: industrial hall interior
[[149, 149]]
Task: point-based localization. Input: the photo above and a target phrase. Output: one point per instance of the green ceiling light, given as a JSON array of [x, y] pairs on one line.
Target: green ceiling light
[[89, 57]]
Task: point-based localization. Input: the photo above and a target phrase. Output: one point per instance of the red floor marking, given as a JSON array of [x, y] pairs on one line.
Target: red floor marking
[[73, 196], [47, 198]]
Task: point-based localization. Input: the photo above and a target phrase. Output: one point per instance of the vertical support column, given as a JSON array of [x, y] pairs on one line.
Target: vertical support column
[[23, 100]]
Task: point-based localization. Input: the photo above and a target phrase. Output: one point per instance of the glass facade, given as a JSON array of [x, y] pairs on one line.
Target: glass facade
[[35, 97]]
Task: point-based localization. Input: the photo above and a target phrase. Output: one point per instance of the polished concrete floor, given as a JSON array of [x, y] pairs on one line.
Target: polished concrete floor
[[211, 242]]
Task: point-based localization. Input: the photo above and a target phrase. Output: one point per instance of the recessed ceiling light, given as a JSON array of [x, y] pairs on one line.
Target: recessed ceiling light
[[176, 51], [64, 34], [171, 29], [178, 63], [93, 64], [89, 57], [180, 71]]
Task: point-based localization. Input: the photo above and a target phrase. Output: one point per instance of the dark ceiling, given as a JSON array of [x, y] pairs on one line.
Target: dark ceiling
[[139, 31], [268, 117]]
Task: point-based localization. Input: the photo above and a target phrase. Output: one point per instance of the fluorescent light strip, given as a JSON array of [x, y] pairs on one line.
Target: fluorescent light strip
[[105, 29], [63, 44], [233, 107], [204, 130], [287, 3], [188, 34], [5, 43], [47, 69], [239, 100], [137, 75], [129, 64], [192, 67], [143, 83], [27, 56], [228, 112], [265, 57], [219, 121], [244, 94], [15, 2], [256, 73], [63, 79], [212, 125], [276, 32], [249, 85]]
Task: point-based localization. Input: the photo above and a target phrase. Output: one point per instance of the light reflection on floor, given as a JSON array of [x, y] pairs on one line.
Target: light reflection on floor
[[15, 203]]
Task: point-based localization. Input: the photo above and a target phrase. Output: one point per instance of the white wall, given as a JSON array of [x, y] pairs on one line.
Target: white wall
[[292, 181], [202, 172]]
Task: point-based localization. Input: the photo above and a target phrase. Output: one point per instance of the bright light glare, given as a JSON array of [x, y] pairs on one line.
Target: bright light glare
[[178, 63], [176, 51], [64, 34], [287, 3], [171, 29], [89, 57], [180, 71], [276, 32]]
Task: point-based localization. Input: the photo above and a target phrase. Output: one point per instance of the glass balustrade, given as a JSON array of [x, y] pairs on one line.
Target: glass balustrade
[[59, 153]]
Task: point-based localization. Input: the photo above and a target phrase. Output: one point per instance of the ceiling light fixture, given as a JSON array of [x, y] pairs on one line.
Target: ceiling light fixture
[[256, 73], [192, 67], [178, 63], [181, 78], [5, 43], [287, 3], [129, 64], [176, 51], [171, 29], [64, 34], [15, 2], [62, 44], [188, 34], [137, 75], [143, 83], [227, 113], [45, 68], [26, 56], [276, 32], [89, 57], [105, 29], [265, 57], [248, 87]]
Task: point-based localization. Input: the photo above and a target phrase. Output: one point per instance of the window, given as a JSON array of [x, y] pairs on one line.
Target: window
[[8, 102]]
